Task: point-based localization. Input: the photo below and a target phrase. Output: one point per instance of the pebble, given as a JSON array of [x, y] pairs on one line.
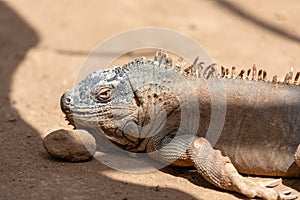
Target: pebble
[[70, 145]]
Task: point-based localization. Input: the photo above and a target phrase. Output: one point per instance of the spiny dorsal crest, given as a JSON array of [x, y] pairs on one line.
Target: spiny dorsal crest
[[197, 70]]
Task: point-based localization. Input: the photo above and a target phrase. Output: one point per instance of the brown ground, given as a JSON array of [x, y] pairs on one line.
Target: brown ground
[[42, 45]]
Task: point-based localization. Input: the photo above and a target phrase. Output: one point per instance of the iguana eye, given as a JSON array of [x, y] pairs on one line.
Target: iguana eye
[[103, 94]]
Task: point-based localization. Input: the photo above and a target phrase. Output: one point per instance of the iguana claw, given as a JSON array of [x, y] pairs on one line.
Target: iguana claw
[[286, 195], [281, 195], [271, 183]]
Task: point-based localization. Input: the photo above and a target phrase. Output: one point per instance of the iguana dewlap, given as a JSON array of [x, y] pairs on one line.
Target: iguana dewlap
[[166, 110]]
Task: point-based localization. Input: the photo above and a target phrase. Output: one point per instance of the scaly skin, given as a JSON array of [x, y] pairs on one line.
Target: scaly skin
[[166, 111]]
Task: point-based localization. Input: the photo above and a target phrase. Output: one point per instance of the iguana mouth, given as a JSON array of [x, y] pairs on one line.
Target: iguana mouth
[[92, 116], [70, 119]]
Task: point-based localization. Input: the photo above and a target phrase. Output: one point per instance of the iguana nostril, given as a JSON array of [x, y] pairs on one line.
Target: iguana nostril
[[68, 100], [65, 102]]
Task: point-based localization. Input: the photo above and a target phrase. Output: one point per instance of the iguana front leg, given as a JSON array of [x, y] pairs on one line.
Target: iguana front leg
[[213, 166]]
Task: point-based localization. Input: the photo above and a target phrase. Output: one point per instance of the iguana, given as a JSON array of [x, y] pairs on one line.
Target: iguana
[[140, 106]]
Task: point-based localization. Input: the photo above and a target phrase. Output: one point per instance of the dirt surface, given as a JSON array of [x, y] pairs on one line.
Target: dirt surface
[[43, 44]]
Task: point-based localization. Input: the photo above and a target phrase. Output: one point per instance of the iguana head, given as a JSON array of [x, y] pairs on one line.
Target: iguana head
[[132, 102], [103, 101], [128, 103]]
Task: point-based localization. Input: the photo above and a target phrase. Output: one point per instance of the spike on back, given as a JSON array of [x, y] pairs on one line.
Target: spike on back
[[242, 74], [191, 69], [180, 64], [233, 72], [211, 71], [162, 58], [260, 73], [222, 71], [254, 72], [289, 76], [274, 80], [264, 75], [296, 82], [248, 74], [227, 73], [197, 70]]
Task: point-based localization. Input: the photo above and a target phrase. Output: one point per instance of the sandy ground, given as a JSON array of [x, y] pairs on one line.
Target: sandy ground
[[42, 46]]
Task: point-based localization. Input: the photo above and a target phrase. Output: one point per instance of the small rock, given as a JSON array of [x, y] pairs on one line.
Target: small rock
[[71, 145]]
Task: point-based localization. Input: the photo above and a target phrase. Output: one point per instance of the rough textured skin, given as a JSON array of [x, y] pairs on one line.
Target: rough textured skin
[[141, 105]]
